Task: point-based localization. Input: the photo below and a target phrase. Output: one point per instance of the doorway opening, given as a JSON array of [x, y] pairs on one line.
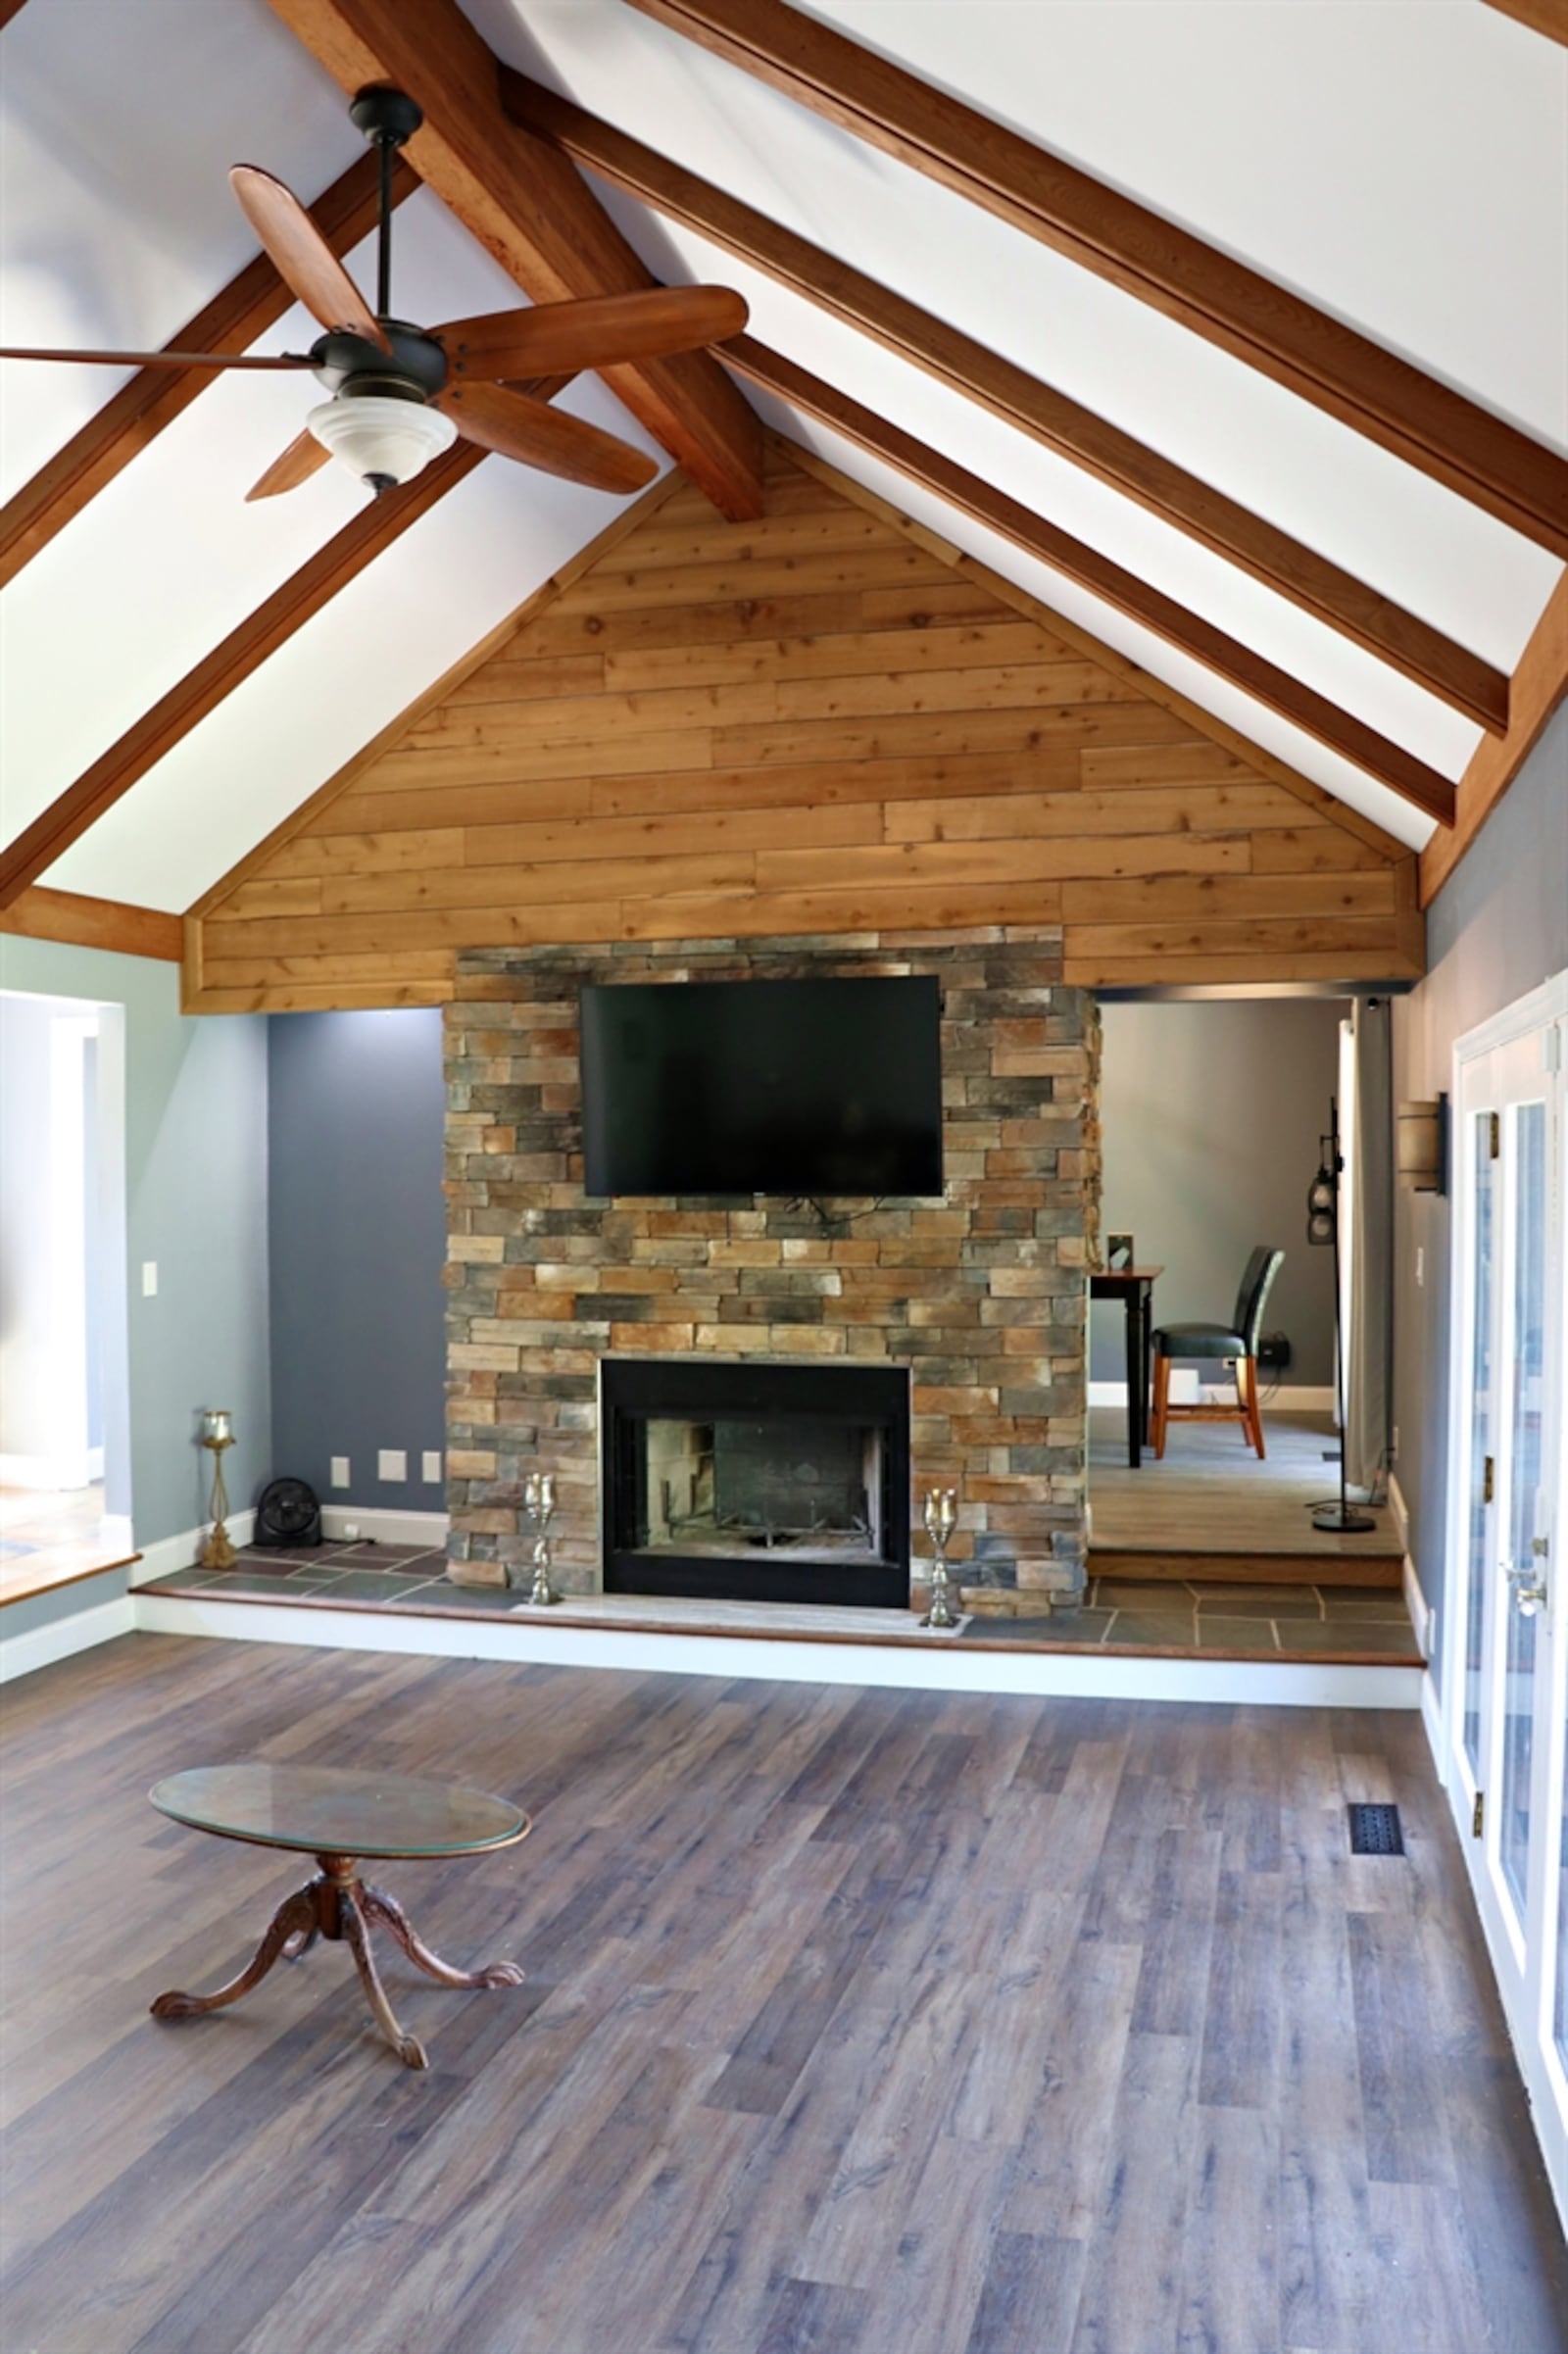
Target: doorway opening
[[1214, 1105], [64, 1418]]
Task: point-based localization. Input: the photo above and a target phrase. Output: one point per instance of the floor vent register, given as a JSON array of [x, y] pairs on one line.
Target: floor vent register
[[1375, 1830]]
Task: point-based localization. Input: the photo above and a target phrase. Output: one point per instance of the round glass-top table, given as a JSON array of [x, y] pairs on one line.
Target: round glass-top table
[[338, 1815]]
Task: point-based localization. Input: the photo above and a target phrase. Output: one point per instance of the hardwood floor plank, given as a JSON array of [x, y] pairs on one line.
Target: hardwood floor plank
[[1030, 2296], [899, 2022]]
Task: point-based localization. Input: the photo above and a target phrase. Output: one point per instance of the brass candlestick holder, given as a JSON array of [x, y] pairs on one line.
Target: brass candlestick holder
[[539, 1495], [217, 1434], [941, 1519]]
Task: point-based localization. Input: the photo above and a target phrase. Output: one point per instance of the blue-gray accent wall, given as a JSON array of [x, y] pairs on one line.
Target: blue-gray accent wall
[[356, 1241]]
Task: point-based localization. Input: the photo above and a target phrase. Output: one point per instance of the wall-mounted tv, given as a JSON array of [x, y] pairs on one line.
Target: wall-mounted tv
[[800, 1088]]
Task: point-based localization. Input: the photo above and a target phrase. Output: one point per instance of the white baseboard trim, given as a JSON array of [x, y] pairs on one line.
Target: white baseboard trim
[[1186, 1390], [1422, 1618], [165, 1554], [384, 1524], [944, 1667], [41, 1647], [1432, 1719]]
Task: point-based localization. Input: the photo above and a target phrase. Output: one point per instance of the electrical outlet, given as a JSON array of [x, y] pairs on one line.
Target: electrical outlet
[[431, 1462], [392, 1463], [149, 1279], [340, 1471]]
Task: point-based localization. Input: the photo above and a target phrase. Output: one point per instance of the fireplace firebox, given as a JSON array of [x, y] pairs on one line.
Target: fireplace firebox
[[755, 1482]]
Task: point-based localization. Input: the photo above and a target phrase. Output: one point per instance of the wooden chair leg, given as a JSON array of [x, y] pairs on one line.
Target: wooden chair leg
[[1254, 1412], [1161, 1402]]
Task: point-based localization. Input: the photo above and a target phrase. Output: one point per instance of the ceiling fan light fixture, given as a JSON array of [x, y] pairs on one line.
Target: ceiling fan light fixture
[[381, 440]]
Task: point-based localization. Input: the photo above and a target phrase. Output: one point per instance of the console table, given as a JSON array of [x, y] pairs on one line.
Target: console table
[[1134, 1287]]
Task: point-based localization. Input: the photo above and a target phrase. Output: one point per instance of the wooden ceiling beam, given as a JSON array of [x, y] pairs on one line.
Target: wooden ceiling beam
[[1453, 439], [1412, 646], [173, 717], [104, 923], [1548, 17], [528, 208], [1302, 706], [138, 413], [1539, 685]]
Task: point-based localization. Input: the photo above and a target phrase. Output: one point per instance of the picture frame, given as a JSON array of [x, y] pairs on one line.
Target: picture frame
[[1119, 1254]]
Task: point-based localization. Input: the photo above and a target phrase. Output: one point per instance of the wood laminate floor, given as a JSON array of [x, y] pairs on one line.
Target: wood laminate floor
[[856, 2022], [1210, 1494]]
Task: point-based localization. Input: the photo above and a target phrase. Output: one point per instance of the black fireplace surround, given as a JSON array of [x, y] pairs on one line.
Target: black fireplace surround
[[755, 1482]]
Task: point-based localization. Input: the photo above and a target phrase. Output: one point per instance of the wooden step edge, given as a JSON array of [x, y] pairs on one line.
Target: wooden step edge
[[1251, 1569]]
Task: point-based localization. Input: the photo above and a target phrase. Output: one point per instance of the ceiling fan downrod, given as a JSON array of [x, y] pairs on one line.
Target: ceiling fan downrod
[[388, 119]]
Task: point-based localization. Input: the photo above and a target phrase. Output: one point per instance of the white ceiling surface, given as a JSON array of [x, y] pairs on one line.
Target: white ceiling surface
[[380, 642], [1403, 164], [119, 120]]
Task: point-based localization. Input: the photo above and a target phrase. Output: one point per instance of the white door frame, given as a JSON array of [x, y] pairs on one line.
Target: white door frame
[[1526, 1980]]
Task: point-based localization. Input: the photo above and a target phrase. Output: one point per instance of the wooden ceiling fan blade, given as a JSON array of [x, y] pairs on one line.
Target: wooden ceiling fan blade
[[301, 255], [163, 359], [598, 332], [549, 439], [292, 467]]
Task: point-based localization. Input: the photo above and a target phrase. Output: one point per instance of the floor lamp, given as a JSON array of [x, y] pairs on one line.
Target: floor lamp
[[1340, 1516]]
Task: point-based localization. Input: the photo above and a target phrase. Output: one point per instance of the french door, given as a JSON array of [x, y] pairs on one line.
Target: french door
[[1507, 1641]]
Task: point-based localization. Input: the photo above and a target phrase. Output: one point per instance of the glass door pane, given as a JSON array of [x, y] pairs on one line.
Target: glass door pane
[[1478, 1583], [1527, 1411]]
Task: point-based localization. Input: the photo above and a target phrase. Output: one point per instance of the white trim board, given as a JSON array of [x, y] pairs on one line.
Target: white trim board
[[944, 1667], [78, 1630], [1186, 1390], [383, 1524], [165, 1554]]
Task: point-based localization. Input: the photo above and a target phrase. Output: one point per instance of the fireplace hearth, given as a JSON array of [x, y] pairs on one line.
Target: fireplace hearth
[[755, 1482]]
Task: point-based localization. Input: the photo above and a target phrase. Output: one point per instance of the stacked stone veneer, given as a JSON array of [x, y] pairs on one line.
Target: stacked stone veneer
[[982, 1294]]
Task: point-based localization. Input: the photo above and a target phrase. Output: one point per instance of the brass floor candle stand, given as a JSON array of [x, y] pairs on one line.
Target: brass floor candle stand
[[217, 1434], [941, 1519], [539, 1495]]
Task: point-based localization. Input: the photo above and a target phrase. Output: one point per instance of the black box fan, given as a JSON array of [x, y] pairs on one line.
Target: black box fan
[[288, 1514]]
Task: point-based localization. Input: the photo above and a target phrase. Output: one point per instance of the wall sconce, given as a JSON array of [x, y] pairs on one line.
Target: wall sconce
[[1421, 1150], [217, 1434]]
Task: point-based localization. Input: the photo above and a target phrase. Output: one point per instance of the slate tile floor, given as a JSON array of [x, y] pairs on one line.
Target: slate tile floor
[[1293, 1622], [1215, 1617]]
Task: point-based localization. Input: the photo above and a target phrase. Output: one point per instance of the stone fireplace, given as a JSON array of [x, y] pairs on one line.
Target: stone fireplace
[[764, 1390]]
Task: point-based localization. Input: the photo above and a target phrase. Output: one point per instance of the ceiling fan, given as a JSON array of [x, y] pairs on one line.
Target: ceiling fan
[[399, 394]]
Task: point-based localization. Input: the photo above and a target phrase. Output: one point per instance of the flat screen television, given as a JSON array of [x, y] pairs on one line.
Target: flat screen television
[[800, 1088]]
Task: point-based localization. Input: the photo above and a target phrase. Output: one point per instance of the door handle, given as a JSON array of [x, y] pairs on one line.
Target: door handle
[[1529, 1582]]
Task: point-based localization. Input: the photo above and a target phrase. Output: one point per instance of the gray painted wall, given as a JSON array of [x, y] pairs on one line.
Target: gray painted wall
[[1210, 1114], [195, 1126], [358, 1242], [1497, 930]]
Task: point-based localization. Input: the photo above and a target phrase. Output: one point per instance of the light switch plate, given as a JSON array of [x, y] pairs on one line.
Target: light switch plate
[[431, 1460], [340, 1471], [149, 1279], [392, 1463]]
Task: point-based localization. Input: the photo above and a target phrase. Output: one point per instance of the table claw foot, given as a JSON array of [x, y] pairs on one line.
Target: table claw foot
[[356, 1937], [379, 1906], [295, 1918]]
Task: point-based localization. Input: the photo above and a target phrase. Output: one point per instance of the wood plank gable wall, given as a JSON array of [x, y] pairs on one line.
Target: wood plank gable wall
[[825, 723]]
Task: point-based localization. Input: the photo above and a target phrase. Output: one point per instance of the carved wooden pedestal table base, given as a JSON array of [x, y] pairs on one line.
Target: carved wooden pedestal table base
[[340, 1816]]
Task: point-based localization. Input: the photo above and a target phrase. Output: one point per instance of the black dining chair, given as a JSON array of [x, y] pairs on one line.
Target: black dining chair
[[1178, 1343]]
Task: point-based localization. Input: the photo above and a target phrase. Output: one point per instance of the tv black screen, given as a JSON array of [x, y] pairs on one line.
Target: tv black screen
[[801, 1087]]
